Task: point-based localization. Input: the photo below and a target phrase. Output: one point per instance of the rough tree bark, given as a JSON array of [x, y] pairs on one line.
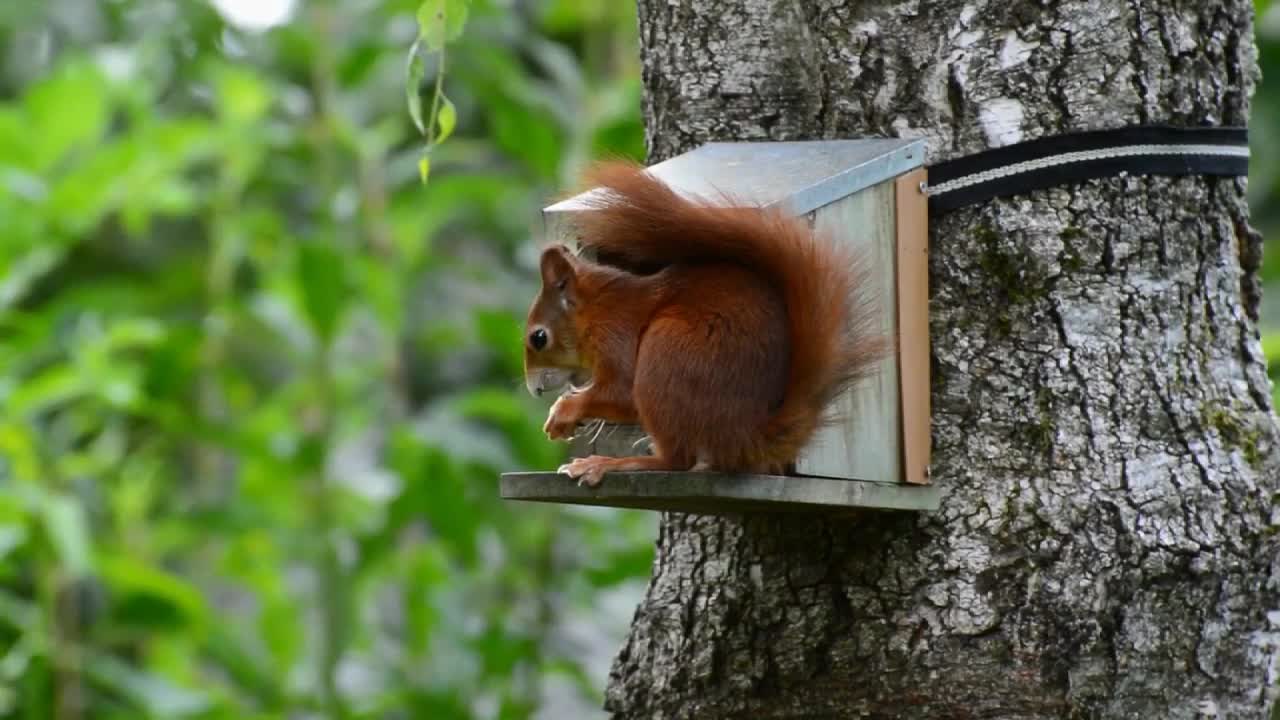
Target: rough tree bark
[[1106, 545]]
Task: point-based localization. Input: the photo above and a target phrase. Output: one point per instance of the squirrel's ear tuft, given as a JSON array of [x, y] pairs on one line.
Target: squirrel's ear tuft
[[558, 272]]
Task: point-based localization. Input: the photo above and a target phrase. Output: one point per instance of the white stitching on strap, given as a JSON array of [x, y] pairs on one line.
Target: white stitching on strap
[[1081, 156]]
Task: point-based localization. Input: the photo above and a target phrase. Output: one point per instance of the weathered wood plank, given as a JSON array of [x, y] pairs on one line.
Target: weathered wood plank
[[718, 493], [866, 440]]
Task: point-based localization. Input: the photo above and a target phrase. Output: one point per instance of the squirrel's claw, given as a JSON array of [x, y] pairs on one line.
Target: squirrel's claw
[[588, 471], [562, 421]]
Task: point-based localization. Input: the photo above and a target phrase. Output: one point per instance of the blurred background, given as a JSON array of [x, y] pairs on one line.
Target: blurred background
[[257, 381]]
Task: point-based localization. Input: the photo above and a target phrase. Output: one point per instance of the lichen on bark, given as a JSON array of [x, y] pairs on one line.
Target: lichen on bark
[[1103, 432]]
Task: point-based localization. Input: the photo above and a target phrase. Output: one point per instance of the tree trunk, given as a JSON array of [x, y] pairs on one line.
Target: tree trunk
[[1103, 432]]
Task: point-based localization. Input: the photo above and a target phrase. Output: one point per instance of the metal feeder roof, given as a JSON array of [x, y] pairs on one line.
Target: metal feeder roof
[[801, 176]]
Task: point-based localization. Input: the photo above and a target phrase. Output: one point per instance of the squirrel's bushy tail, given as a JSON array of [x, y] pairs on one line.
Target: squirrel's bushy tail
[[637, 220]]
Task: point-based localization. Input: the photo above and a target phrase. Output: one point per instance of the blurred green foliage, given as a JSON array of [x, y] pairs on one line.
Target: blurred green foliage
[[1264, 178], [257, 381]]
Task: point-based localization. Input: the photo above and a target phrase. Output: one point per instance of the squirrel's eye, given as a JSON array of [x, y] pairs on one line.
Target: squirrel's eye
[[538, 339]]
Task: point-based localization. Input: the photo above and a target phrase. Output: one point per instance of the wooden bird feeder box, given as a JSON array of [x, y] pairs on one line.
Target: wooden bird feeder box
[[865, 192]]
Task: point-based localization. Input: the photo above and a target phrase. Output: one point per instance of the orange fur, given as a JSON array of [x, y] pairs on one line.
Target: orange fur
[[726, 331]]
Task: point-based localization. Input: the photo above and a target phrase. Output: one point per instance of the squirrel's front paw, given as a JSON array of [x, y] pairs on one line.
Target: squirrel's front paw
[[588, 471], [562, 420]]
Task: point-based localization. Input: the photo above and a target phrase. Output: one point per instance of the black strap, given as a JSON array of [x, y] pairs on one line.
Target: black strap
[[1074, 157]]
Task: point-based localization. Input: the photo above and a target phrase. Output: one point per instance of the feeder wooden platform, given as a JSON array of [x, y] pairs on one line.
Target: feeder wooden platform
[[718, 493]]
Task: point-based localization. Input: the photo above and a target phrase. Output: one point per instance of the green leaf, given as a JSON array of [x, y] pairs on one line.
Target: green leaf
[[446, 119], [440, 21], [66, 111], [11, 538], [51, 387], [145, 596], [383, 285], [438, 705], [28, 269], [135, 169], [510, 412], [323, 280], [18, 612], [500, 330], [436, 491], [79, 199], [67, 528], [156, 695], [414, 72], [242, 96], [14, 148], [425, 569], [20, 447], [432, 23], [135, 333], [424, 168], [281, 630], [253, 675]]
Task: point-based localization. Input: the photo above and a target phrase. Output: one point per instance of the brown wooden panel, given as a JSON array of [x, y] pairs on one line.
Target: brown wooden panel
[[913, 325]]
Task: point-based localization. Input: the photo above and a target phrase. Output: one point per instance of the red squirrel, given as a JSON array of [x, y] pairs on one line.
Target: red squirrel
[[724, 331]]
